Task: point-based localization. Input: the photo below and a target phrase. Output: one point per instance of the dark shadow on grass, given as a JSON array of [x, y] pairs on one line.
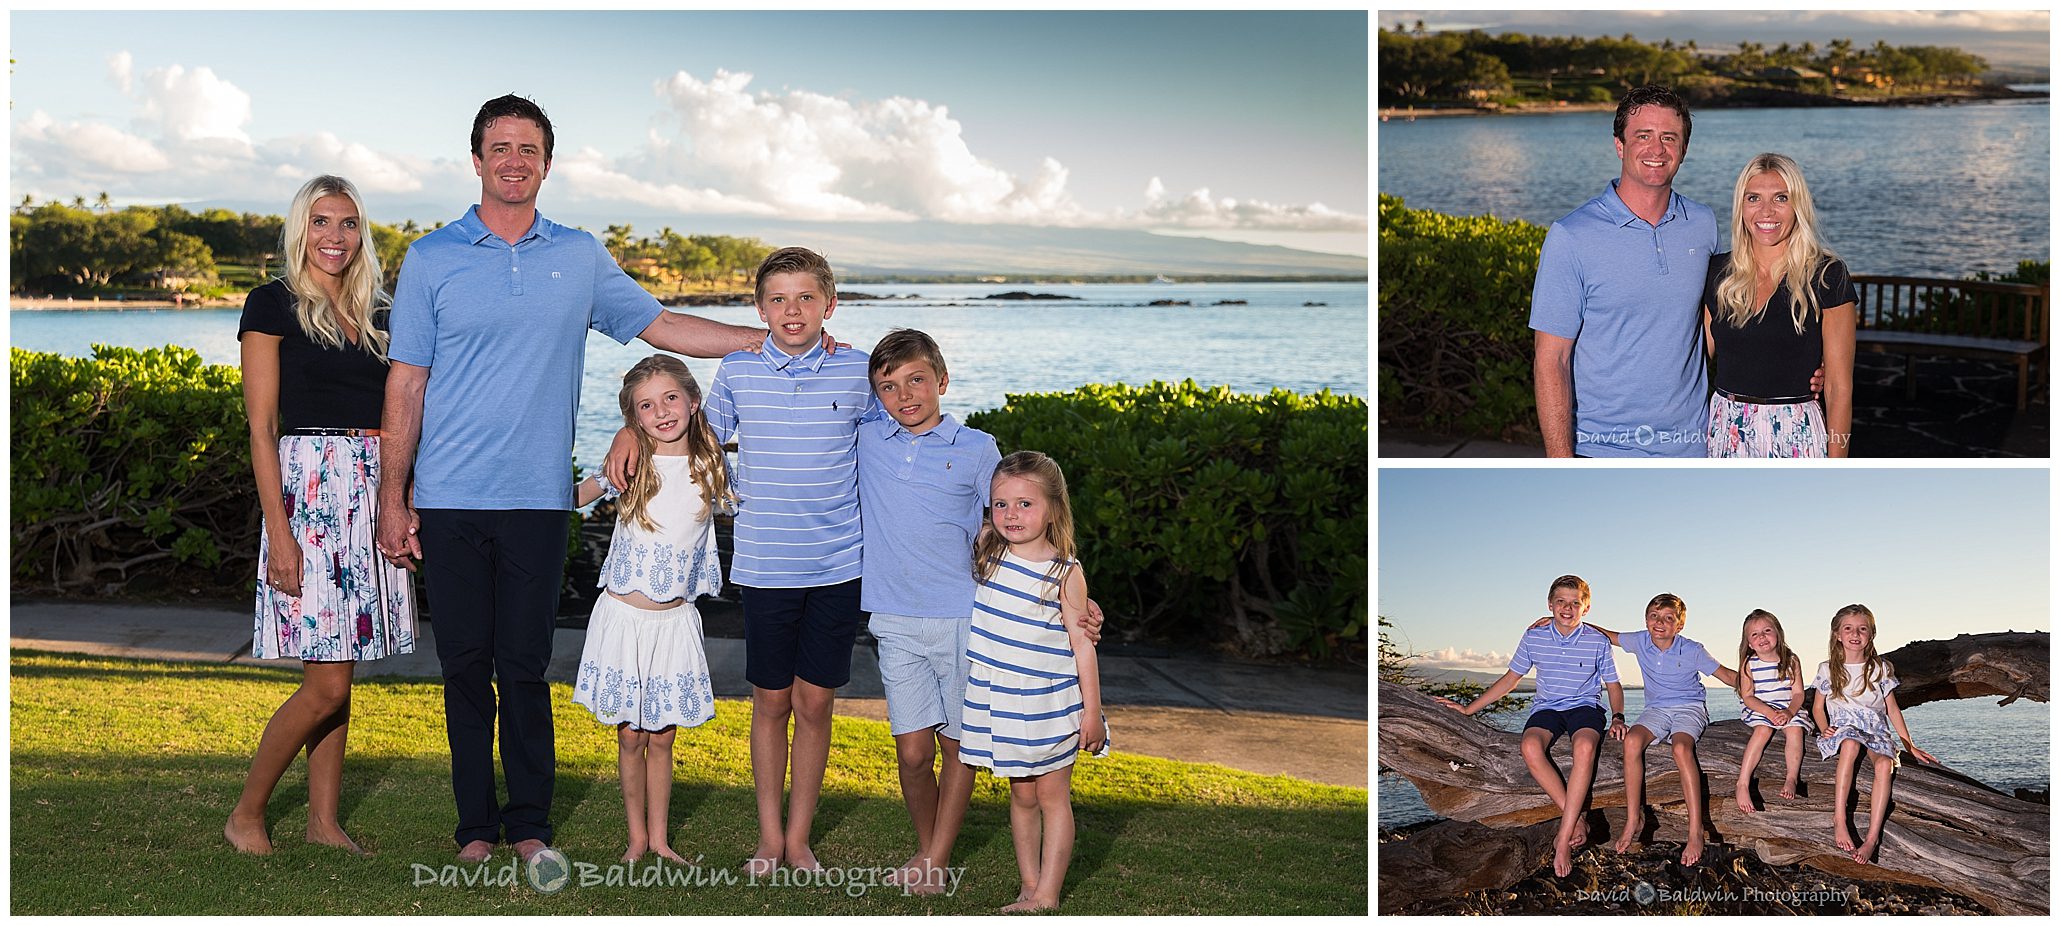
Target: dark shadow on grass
[[1096, 830]]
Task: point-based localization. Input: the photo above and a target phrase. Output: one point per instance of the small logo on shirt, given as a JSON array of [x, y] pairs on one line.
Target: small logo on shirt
[[554, 274]]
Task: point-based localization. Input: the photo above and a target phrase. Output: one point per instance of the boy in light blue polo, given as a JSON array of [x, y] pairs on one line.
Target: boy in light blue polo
[[1574, 665], [923, 480], [1675, 711]]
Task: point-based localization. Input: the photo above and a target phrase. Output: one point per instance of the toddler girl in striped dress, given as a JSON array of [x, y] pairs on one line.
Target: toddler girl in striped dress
[[1033, 695], [1771, 690]]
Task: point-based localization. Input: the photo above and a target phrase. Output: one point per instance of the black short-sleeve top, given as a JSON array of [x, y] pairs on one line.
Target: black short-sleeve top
[[1767, 358], [319, 386]]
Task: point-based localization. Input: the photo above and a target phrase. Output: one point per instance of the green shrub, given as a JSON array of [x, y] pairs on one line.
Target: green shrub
[[130, 463], [1210, 516], [1455, 339]]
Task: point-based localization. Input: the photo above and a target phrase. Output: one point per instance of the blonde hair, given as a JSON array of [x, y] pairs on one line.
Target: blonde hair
[[706, 452], [1787, 664], [1058, 525], [1805, 256], [1875, 666], [359, 293]]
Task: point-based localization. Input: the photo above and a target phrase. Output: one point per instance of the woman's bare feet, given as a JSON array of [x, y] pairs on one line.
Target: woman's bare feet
[[1865, 853], [1841, 836], [1693, 853], [332, 835], [247, 835], [476, 851]]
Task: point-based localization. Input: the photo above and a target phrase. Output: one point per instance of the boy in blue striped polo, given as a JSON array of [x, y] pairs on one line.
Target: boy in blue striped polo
[[1675, 712], [1574, 665], [793, 409]]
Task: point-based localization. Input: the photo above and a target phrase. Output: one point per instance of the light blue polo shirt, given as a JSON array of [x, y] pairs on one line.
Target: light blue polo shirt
[[924, 497], [1629, 295], [1572, 668], [795, 421], [502, 328], [1672, 675]]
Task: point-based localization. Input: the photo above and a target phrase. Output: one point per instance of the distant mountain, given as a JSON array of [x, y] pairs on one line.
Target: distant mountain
[[1453, 676], [942, 248]]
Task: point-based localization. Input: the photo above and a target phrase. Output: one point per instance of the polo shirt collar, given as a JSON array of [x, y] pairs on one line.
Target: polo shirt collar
[[810, 360], [947, 429], [475, 230], [1621, 215]]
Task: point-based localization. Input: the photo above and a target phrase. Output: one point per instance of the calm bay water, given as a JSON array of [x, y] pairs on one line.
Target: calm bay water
[[992, 348], [1916, 191], [2004, 747]]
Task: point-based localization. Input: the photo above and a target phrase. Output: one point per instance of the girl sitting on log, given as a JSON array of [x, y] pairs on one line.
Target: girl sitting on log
[[1856, 688], [1770, 688]]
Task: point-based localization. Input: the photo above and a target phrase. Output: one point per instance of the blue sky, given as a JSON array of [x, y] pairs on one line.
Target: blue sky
[[2017, 38], [1465, 555], [1247, 126]]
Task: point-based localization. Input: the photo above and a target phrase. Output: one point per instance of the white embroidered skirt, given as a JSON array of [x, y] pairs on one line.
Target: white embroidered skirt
[[644, 668]]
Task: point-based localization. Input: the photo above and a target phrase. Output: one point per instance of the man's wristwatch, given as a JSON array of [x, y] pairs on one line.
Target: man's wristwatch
[[1617, 717]]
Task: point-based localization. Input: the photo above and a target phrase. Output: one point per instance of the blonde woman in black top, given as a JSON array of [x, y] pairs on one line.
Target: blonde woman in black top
[[314, 381], [1776, 308]]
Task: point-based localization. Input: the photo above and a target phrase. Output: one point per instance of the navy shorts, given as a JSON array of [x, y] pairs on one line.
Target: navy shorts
[[803, 633], [1563, 723]]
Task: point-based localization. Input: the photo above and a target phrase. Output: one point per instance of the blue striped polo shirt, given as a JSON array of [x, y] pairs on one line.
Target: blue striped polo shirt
[[1571, 669], [795, 421]]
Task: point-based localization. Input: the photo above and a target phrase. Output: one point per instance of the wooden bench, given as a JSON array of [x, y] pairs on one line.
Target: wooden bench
[[1957, 318]]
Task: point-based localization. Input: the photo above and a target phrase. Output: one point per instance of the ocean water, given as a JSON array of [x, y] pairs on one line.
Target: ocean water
[[1109, 334], [2004, 747], [1909, 191]]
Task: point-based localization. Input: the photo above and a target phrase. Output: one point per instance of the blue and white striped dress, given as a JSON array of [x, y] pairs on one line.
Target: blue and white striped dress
[[1023, 705], [1769, 687]]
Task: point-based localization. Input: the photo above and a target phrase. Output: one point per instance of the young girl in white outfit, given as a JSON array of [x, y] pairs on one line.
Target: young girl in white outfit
[[1856, 709], [1771, 691], [643, 669], [1033, 695]]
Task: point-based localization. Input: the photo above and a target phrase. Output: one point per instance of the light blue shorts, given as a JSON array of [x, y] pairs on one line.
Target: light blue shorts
[[923, 667], [1668, 720]]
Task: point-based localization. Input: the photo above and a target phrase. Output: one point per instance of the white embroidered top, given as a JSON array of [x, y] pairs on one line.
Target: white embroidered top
[[677, 560]]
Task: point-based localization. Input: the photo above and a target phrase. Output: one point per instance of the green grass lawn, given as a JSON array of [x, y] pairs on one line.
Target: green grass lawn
[[124, 770]]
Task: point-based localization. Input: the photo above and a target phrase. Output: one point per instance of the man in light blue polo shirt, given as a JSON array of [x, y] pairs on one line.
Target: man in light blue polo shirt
[[489, 332], [1574, 665], [1617, 302], [1675, 712]]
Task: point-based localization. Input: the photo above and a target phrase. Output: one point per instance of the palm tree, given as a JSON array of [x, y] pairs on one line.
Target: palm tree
[[103, 204]]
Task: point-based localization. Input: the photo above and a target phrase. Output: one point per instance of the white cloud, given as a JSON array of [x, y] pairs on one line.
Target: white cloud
[[90, 150], [192, 104], [1453, 658], [324, 153], [122, 68], [1201, 210]]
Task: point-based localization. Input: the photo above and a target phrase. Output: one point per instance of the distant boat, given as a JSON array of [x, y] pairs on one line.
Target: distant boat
[[1162, 278]]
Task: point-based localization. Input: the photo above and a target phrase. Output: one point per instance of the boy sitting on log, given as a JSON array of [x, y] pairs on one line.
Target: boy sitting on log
[[1574, 664]]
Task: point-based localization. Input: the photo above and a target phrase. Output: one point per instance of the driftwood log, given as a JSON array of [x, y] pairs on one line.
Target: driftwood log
[[1944, 829]]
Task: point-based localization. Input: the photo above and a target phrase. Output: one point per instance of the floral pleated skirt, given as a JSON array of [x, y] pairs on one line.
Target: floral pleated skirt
[[1745, 429], [353, 604]]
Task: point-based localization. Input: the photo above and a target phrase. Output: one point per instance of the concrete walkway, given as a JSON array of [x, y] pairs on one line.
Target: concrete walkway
[[1275, 720]]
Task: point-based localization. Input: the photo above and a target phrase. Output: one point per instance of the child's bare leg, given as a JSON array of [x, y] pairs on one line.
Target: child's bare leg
[[325, 756], [1026, 831], [1573, 822], [658, 793], [1842, 788], [630, 744], [915, 754], [1536, 748], [290, 728], [1691, 790], [1884, 780], [813, 707], [1634, 786], [1055, 805], [1791, 750], [954, 792], [769, 712], [1750, 763]]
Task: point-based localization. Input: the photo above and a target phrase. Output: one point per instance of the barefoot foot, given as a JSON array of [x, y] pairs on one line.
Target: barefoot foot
[[333, 835], [1788, 793], [803, 859], [1693, 853], [762, 863], [476, 851], [529, 847], [634, 852], [921, 876], [1744, 802], [1030, 904], [665, 852], [1841, 837], [1562, 859], [1865, 853], [1630, 836], [247, 836], [1580, 832]]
